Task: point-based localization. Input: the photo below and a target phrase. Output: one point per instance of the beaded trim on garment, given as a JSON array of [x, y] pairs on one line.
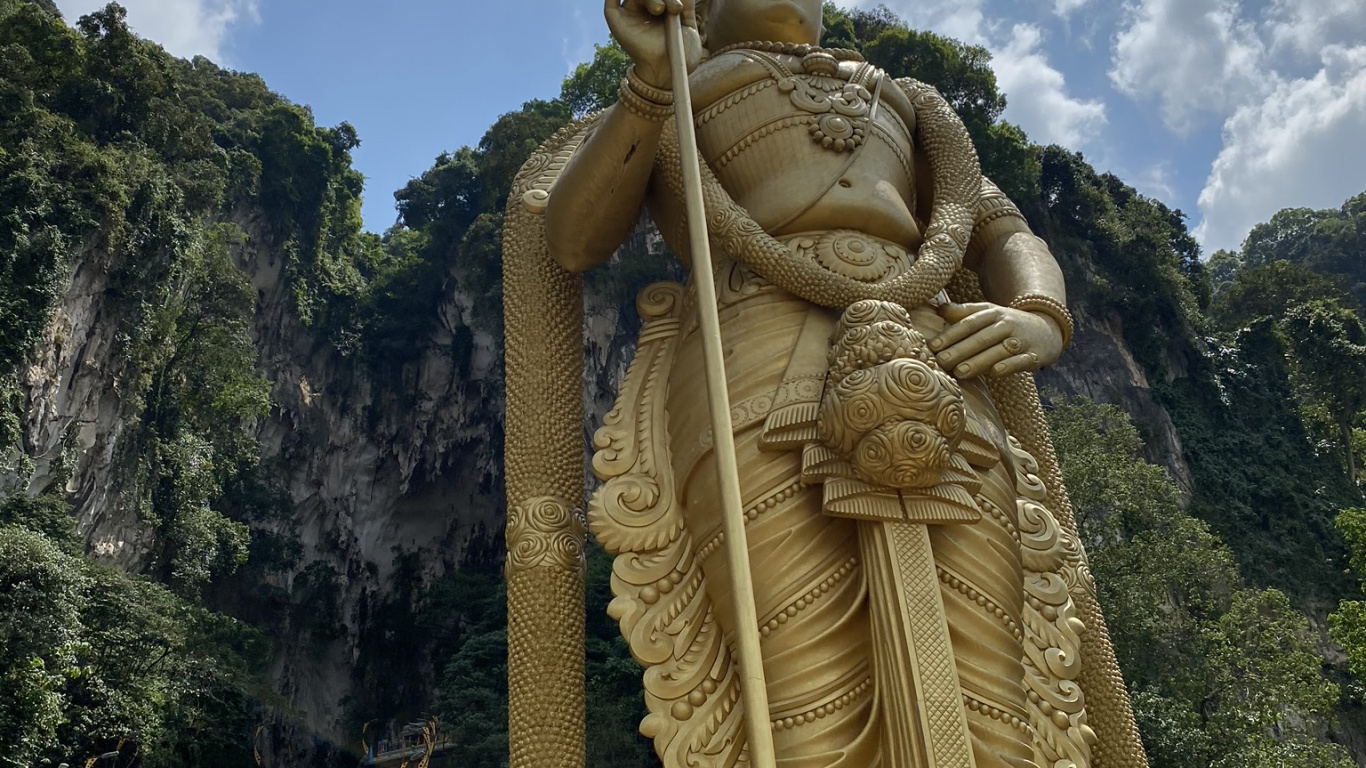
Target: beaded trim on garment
[[790, 49]]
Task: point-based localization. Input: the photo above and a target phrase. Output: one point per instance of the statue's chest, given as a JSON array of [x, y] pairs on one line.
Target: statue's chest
[[767, 115]]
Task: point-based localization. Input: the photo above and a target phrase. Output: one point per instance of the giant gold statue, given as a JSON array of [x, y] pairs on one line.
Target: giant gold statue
[[922, 599]]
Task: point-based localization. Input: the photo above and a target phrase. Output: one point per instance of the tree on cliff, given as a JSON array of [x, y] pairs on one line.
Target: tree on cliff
[[1220, 674]]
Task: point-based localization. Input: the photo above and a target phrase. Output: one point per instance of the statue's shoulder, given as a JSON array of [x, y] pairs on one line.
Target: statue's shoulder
[[895, 93], [723, 74]]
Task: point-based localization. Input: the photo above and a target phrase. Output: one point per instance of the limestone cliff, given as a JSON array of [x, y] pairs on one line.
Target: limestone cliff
[[1100, 367], [375, 471]]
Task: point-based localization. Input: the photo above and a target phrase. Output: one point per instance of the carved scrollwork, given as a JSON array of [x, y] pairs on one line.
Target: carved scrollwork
[[692, 689], [1053, 646]]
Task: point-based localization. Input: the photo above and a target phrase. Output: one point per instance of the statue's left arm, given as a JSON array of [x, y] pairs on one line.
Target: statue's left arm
[[1024, 324]]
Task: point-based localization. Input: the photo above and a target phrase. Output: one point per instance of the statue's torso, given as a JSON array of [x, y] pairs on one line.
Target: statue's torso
[[803, 147]]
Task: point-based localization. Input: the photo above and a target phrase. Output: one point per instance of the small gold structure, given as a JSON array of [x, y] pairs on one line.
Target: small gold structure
[[916, 589]]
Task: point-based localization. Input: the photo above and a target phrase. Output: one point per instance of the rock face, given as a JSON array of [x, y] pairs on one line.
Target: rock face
[[371, 474], [1100, 367], [374, 473], [77, 416]]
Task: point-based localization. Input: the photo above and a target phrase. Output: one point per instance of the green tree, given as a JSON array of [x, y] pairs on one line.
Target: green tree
[[40, 640], [1329, 343], [92, 659], [1270, 290], [593, 85], [1330, 242], [1220, 674], [1348, 622]]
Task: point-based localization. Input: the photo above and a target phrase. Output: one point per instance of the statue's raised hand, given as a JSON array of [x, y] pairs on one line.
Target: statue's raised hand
[[989, 339], [638, 26]]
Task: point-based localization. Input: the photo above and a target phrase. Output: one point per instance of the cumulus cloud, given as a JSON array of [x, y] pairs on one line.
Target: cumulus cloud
[[1299, 146], [1306, 27], [1155, 181], [1192, 56], [1036, 92], [184, 27], [1287, 80]]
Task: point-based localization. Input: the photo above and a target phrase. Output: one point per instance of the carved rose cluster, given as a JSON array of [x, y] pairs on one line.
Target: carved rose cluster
[[887, 406]]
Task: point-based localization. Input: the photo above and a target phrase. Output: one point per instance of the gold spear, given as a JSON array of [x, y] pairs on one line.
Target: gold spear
[[753, 690]]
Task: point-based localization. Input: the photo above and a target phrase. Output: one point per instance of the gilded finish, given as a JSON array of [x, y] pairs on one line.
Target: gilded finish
[[544, 473], [921, 595]]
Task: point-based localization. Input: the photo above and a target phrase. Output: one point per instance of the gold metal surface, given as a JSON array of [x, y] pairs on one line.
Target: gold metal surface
[[918, 591]]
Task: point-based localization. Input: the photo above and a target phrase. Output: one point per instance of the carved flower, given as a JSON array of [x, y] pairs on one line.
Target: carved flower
[[912, 388], [850, 408], [952, 421], [871, 345], [874, 457], [856, 336], [907, 454], [862, 411], [871, 311], [722, 220], [540, 529]]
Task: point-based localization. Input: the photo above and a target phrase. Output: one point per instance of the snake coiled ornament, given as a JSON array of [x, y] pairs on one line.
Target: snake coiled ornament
[[957, 182]]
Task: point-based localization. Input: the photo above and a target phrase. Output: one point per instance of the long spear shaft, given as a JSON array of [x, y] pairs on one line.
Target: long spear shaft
[[753, 690]]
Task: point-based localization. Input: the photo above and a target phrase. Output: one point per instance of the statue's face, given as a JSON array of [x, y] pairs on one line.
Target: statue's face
[[783, 21]]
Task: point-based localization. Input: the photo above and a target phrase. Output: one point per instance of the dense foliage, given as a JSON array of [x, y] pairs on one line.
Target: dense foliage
[[149, 170], [1221, 674], [95, 661], [153, 171], [1272, 415]]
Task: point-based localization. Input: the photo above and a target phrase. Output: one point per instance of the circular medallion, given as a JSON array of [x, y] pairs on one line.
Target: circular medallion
[[854, 255]]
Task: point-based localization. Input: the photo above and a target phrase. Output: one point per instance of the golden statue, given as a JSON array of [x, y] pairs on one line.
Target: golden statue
[[919, 595]]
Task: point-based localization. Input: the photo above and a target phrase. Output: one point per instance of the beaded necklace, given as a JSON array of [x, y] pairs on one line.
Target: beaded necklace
[[790, 49]]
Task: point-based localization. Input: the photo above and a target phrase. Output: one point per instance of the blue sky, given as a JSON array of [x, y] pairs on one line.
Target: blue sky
[[1226, 109]]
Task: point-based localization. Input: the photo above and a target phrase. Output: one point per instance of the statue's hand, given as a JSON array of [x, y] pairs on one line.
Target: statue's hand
[[990, 339], [638, 25]]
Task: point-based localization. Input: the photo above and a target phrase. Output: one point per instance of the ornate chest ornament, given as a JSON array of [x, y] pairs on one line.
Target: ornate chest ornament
[[841, 110]]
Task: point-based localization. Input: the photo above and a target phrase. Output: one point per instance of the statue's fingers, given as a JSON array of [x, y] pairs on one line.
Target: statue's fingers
[[974, 344], [655, 7], [674, 7], [1017, 364], [982, 363], [963, 328], [954, 312], [628, 8]]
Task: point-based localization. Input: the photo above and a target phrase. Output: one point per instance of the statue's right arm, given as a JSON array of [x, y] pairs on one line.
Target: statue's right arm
[[598, 197]]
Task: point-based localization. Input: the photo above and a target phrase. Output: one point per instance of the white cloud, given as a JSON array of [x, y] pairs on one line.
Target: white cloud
[[1287, 80], [1306, 27], [184, 27], [1036, 93], [1155, 181], [1298, 146], [1192, 56], [1064, 8], [960, 19], [578, 47]]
